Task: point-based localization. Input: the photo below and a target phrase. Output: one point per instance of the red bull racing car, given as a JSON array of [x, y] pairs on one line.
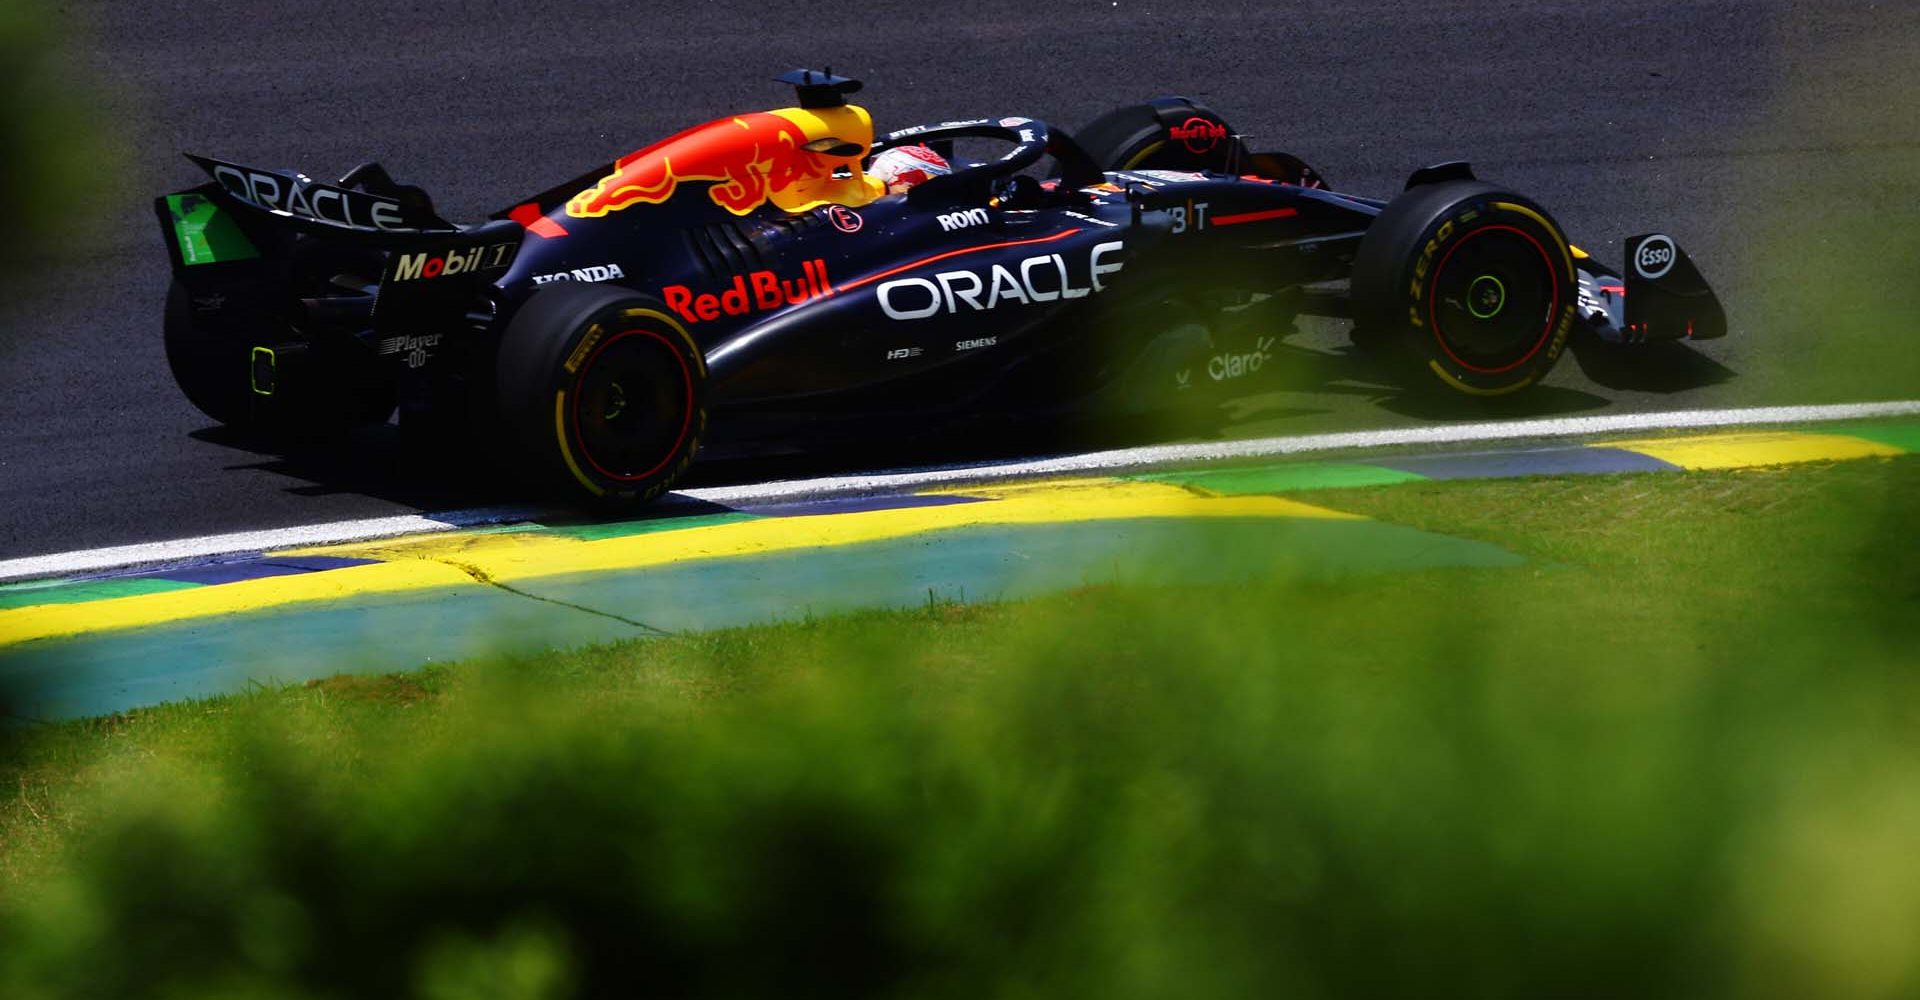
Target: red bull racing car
[[748, 275]]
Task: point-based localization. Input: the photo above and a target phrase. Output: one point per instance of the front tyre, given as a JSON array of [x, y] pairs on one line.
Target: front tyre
[[1477, 280], [1170, 134], [605, 390]]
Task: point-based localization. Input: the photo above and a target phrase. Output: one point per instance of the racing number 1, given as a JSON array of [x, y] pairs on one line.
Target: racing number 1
[[1195, 210]]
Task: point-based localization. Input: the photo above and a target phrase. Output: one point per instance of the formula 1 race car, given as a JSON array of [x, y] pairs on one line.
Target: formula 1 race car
[[748, 272]]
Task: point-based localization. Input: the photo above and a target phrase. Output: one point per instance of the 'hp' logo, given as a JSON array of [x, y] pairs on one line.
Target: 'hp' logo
[[1655, 257]]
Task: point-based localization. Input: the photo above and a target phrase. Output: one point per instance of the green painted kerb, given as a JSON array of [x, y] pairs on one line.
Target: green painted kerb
[[206, 234], [1905, 437], [23, 596], [1269, 479], [596, 532]]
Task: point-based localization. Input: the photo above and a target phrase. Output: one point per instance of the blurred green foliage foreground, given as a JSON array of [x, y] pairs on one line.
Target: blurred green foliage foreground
[[50, 182], [1672, 756]]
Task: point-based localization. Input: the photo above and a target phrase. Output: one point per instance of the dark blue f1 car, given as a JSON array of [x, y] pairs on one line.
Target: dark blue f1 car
[[748, 273]]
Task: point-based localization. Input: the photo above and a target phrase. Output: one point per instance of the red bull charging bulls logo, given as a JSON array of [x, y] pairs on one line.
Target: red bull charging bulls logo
[[750, 158]]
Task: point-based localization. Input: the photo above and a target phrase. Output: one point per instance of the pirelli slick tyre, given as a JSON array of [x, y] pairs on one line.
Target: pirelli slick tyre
[[605, 391], [1177, 135], [1477, 281]]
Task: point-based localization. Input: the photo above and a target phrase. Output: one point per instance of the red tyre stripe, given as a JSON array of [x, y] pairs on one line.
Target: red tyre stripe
[[686, 422], [1433, 301]]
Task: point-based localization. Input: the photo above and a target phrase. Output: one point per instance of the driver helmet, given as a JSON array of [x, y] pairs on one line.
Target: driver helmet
[[902, 167]]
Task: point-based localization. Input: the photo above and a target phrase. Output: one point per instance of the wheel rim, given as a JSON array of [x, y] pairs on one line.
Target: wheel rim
[[632, 405], [1493, 299]]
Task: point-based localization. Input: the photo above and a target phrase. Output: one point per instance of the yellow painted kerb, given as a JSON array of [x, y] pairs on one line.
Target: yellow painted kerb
[[48, 621], [468, 559], [513, 557], [1740, 451]]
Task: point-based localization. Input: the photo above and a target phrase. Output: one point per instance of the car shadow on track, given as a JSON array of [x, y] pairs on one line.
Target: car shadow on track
[[383, 463], [1396, 385], [1665, 367]]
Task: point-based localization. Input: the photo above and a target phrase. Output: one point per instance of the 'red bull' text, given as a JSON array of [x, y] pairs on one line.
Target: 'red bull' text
[[759, 291]]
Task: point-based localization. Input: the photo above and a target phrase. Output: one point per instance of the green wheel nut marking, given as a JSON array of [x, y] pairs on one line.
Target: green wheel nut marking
[[1486, 296]]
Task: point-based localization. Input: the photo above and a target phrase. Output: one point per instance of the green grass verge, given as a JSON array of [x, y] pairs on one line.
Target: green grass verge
[[1675, 753]]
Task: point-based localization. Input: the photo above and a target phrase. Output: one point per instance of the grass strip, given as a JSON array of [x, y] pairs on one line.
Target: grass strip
[[1675, 753]]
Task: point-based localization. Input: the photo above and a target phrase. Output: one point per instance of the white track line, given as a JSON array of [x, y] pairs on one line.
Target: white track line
[[154, 553], [209, 546], [1177, 454]]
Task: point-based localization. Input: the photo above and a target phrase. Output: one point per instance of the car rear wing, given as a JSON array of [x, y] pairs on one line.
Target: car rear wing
[[252, 214], [366, 202], [239, 236]]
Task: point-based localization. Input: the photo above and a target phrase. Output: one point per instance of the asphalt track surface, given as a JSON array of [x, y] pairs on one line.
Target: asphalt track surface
[[1777, 141]]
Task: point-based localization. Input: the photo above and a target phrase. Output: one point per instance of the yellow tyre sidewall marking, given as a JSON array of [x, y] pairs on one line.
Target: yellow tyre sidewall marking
[[1474, 390], [699, 362], [1566, 252], [566, 452], [1139, 157]]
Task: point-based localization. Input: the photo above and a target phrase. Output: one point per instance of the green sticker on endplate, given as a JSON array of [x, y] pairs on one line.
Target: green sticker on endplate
[[206, 234]]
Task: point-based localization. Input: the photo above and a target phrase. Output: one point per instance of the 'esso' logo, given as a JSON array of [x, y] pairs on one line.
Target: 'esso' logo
[[1655, 257]]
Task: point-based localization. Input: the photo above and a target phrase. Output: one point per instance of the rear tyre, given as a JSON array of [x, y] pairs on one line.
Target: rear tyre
[[1142, 137], [1477, 281], [604, 390]]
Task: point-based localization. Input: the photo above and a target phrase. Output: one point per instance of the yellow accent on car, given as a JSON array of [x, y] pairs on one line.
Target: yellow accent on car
[[789, 157], [272, 365], [850, 124]]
